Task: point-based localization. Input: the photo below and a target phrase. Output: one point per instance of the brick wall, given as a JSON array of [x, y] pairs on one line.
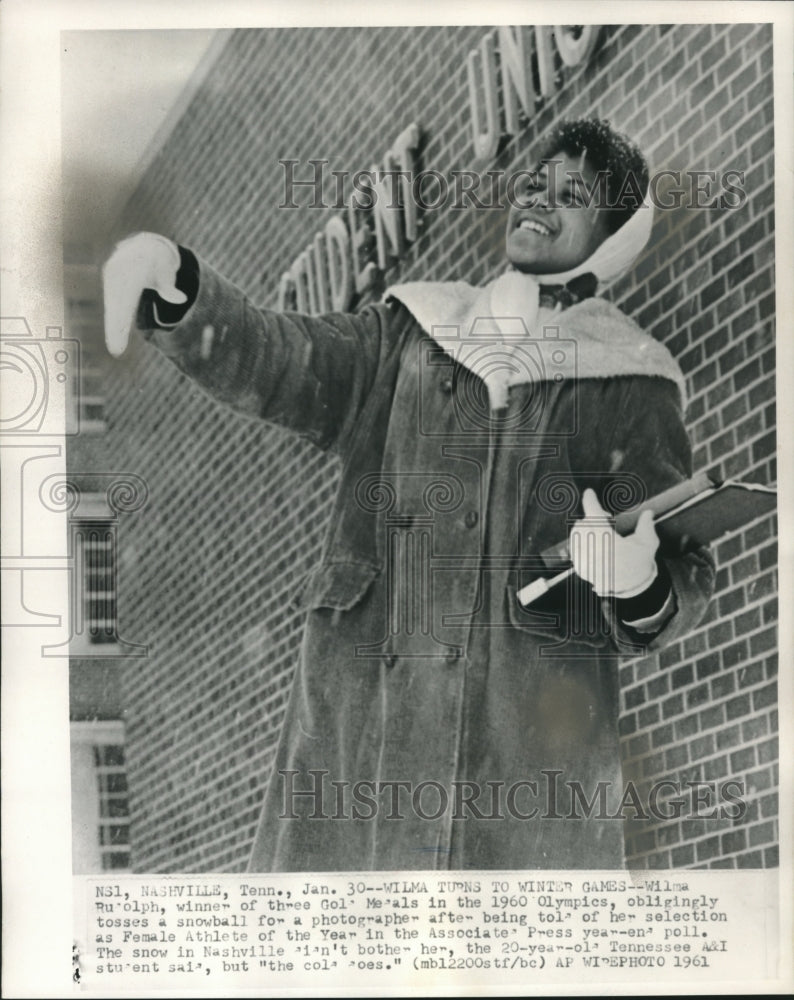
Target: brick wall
[[238, 509]]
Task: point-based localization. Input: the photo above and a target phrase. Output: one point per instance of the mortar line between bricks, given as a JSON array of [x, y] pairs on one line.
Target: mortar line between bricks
[[660, 826], [701, 758], [728, 241], [187, 677], [749, 115], [756, 602], [201, 823], [194, 717], [176, 717], [199, 796], [205, 856], [729, 346], [663, 314], [705, 836], [762, 376], [218, 645], [197, 717], [175, 810], [714, 702]]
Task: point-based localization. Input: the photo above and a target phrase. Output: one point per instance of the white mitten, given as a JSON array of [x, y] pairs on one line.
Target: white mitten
[[145, 260], [615, 565]]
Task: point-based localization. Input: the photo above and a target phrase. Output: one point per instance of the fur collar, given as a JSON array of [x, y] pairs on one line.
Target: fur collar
[[592, 339]]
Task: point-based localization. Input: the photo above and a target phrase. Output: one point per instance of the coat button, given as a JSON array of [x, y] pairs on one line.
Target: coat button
[[389, 660], [471, 518], [446, 386]]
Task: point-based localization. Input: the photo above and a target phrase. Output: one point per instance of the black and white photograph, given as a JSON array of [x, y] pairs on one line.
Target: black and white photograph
[[409, 426]]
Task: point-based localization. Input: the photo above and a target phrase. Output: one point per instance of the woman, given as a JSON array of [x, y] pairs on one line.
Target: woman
[[435, 722]]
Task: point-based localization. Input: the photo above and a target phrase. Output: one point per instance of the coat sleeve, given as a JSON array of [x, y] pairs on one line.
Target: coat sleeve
[[311, 374], [649, 446]]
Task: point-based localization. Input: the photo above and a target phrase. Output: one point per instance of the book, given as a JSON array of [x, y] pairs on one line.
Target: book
[[690, 514]]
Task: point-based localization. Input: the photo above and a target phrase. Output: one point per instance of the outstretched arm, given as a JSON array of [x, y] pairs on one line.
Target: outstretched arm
[[311, 374]]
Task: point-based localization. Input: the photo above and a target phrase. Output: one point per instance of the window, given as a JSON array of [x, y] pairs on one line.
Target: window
[[95, 577], [114, 812], [100, 798]]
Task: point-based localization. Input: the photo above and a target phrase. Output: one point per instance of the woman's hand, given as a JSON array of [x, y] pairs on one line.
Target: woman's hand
[[145, 260], [615, 565]]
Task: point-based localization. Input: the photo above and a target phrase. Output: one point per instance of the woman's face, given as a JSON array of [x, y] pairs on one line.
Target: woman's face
[[550, 228]]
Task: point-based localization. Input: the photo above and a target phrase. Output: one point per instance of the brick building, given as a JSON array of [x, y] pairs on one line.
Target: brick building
[[237, 509]]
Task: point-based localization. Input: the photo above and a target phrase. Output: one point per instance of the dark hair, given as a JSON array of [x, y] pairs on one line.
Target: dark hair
[[609, 151]]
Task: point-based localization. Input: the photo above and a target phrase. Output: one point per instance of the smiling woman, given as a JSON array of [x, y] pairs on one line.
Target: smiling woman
[[551, 230], [585, 166]]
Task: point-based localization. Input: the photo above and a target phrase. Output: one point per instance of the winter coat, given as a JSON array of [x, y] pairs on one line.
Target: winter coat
[[418, 664]]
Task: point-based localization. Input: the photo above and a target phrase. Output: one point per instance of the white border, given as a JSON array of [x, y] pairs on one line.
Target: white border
[[36, 857]]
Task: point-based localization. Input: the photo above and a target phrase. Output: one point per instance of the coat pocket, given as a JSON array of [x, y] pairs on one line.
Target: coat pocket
[[545, 622], [336, 585], [569, 614]]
